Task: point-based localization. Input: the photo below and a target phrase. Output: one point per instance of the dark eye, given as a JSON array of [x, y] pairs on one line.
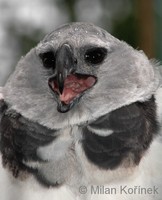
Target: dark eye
[[48, 59], [95, 56]]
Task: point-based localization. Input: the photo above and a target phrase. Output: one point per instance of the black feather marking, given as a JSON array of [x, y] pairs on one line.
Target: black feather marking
[[3, 106], [20, 140], [133, 129]]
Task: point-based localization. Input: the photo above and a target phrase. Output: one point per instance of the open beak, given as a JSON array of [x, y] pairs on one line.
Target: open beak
[[67, 85]]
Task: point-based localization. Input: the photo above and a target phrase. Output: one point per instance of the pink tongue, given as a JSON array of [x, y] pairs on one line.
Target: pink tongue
[[74, 86]]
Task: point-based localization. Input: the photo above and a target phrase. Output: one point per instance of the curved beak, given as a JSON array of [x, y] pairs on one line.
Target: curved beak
[[67, 85], [65, 64]]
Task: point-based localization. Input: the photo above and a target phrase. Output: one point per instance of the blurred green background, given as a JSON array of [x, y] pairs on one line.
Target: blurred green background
[[23, 23]]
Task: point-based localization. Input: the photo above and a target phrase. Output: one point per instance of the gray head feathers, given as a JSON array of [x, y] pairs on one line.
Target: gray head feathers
[[125, 76]]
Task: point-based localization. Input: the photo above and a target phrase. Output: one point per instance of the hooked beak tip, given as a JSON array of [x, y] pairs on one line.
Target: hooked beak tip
[[61, 89], [60, 82]]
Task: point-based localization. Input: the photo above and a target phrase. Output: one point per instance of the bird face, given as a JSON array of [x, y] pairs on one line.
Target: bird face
[[67, 83], [86, 62], [73, 63], [82, 71]]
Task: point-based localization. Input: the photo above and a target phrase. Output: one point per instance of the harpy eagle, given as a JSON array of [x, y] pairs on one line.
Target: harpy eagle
[[79, 120]]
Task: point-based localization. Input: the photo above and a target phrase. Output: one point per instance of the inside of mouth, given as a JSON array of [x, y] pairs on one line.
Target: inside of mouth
[[74, 85]]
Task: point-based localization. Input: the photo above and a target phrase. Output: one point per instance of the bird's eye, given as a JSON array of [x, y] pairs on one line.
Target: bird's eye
[[48, 59], [95, 55]]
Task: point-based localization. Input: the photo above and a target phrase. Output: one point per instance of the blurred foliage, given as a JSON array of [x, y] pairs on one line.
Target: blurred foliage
[[124, 28], [125, 19], [127, 30], [158, 25], [26, 41], [68, 6]]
